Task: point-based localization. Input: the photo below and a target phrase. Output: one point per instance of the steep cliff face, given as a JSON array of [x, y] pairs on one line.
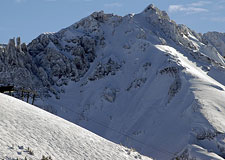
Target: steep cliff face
[[141, 80], [60, 60]]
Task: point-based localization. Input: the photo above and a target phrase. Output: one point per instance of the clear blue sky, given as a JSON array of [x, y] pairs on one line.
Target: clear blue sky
[[29, 18]]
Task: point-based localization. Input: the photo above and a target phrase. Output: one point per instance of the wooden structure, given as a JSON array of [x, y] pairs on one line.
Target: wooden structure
[[27, 93], [4, 89]]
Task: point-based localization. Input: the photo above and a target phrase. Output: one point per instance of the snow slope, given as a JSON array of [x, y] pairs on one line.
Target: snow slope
[[141, 80], [23, 125], [217, 40]]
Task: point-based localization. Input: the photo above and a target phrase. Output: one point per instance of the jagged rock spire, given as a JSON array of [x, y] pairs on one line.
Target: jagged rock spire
[[152, 10], [24, 47], [15, 46], [18, 44], [11, 42]]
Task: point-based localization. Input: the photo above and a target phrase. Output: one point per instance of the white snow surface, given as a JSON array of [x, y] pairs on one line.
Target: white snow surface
[[23, 125]]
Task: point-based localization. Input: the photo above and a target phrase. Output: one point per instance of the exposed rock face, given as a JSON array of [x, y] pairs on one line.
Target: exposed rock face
[[104, 70], [60, 59], [18, 44], [109, 94], [16, 66], [24, 47], [176, 85], [45, 65]]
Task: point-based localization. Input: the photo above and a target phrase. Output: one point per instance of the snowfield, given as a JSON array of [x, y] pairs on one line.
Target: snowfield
[[23, 125]]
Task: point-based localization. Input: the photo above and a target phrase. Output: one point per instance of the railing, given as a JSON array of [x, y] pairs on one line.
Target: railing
[[21, 93], [29, 94]]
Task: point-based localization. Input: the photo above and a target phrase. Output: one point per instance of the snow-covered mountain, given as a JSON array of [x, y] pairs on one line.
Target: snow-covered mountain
[[141, 80], [27, 131]]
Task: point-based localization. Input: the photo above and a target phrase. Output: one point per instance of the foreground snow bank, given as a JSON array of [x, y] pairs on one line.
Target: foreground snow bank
[[27, 131]]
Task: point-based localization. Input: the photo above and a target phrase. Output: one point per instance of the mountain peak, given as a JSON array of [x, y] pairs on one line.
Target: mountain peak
[[152, 11], [150, 7]]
